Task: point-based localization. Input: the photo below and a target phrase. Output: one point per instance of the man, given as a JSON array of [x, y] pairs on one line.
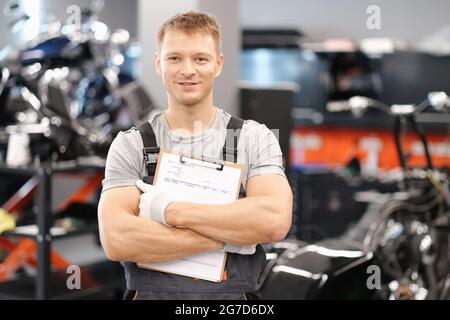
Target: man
[[189, 59]]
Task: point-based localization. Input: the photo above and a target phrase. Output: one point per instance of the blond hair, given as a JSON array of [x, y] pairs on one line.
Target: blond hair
[[192, 22]]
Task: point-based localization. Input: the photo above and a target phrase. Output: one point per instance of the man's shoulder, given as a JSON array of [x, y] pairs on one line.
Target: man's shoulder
[[127, 139], [129, 134], [251, 124], [133, 134], [248, 125], [252, 128]]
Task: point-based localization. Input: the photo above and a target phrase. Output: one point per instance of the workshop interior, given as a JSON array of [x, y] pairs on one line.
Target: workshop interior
[[357, 92]]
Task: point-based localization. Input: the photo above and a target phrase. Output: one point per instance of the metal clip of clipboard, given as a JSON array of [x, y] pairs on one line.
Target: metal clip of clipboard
[[207, 162]]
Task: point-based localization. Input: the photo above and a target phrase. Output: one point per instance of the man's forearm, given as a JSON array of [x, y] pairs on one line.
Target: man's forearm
[[245, 221], [126, 237]]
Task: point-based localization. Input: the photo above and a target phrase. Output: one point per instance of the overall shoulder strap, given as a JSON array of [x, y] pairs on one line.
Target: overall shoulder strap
[[151, 149], [234, 128]]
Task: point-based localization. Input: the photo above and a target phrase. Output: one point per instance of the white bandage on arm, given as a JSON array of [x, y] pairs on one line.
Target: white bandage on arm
[[158, 207]]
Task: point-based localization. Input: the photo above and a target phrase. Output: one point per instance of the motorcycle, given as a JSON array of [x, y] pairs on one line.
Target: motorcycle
[[398, 250], [68, 88]]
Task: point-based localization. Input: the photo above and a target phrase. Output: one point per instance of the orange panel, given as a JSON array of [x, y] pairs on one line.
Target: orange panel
[[336, 146]]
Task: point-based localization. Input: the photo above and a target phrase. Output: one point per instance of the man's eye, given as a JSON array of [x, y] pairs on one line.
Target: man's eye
[[202, 59], [173, 58]]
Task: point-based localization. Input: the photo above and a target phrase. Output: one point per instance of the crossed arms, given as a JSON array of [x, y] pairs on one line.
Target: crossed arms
[[264, 216]]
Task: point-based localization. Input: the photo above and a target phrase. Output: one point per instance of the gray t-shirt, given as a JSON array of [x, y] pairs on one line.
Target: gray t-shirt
[[258, 149]]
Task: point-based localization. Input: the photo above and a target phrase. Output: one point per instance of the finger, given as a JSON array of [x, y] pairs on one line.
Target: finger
[[144, 187]]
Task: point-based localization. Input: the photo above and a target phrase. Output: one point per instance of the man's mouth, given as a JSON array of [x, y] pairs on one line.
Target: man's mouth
[[187, 83]]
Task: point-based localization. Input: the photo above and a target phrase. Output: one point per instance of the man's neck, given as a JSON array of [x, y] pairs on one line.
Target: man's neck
[[191, 119]]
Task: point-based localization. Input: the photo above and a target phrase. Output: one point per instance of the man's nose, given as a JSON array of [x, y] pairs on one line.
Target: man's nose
[[188, 68]]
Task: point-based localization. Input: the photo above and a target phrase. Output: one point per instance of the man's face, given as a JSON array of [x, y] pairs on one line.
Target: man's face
[[188, 64]]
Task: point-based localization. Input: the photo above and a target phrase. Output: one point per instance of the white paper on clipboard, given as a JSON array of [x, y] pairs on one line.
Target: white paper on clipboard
[[197, 181]]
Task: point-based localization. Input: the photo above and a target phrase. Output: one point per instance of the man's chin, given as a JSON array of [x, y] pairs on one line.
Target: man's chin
[[189, 102]]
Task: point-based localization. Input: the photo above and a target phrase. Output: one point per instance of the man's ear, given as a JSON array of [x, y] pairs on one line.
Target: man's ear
[[219, 65], [158, 63]]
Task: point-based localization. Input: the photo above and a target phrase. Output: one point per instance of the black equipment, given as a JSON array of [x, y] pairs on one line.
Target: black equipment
[[272, 107], [398, 249]]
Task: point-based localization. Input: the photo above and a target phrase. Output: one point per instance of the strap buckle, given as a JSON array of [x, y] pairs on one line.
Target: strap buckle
[[230, 151], [150, 151]]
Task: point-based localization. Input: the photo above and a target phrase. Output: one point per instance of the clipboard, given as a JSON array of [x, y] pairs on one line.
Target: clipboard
[[201, 180]]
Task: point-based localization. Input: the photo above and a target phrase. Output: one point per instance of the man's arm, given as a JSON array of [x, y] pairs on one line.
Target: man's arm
[[264, 216], [127, 237]]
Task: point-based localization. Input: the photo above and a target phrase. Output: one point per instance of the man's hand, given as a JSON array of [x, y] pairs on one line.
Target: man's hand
[[126, 237], [263, 216], [153, 203]]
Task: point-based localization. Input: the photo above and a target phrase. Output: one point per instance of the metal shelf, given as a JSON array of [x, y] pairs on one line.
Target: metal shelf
[[42, 209]]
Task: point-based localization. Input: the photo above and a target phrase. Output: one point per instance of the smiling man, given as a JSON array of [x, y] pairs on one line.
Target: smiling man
[[189, 59]]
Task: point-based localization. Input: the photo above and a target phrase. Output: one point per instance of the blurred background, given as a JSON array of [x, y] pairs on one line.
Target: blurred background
[[357, 94]]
